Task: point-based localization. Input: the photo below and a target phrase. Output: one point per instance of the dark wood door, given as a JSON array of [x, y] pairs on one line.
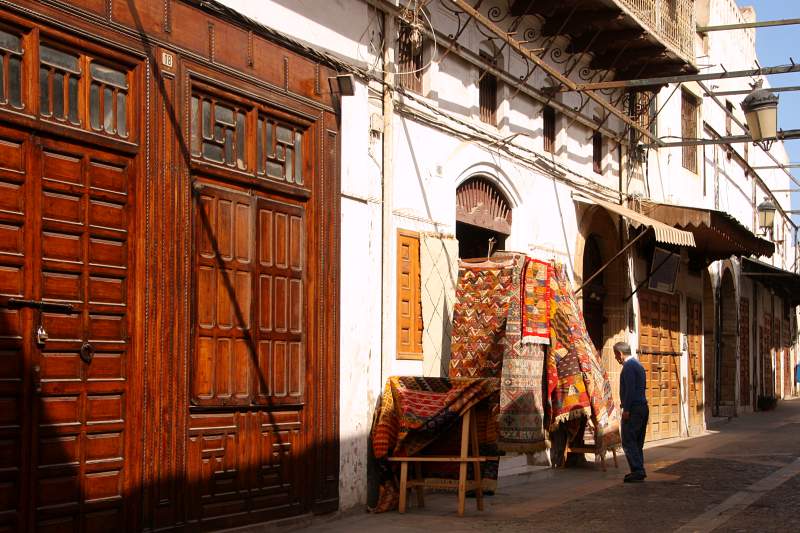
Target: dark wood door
[[659, 353], [65, 435], [248, 434], [695, 338]]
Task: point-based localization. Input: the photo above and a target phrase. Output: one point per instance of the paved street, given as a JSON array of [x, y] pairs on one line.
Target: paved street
[[743, 476]]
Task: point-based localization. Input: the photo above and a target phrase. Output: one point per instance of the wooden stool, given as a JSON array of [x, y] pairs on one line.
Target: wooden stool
[[469, 440], [597, 453]]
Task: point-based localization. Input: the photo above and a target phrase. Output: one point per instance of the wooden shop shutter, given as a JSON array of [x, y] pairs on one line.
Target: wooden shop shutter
[[409, 302]]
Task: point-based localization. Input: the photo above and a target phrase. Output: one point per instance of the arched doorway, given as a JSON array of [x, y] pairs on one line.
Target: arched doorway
[[594, 293], [726, 388], [483, 218]]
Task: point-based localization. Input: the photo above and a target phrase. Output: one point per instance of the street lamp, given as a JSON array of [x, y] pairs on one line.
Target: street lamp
[[761, 111], [766, 215]]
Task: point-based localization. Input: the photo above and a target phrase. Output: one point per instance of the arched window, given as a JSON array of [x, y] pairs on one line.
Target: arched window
[[483, 215]]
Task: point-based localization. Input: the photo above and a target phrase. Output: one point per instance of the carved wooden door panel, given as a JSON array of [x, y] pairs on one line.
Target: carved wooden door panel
[[695, 338], [247, 434], [658, 352], [70, 218]]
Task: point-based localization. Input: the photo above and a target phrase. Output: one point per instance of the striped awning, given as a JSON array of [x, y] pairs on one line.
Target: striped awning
[[664, 233]]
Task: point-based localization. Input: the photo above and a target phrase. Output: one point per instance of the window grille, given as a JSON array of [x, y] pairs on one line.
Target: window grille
[[409, 57]]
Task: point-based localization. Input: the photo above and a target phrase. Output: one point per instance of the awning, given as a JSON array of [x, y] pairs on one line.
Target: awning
[[783, 282], [664, 233], [717, 234]]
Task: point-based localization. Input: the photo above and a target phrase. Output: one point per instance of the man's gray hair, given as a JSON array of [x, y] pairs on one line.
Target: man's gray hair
[[623, 348]]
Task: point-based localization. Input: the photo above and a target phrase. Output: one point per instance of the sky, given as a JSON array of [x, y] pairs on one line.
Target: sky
[[774, 47]]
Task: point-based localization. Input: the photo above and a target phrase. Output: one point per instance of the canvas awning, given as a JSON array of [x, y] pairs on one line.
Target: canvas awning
[[783, 282], [717, 234], [664, 233]]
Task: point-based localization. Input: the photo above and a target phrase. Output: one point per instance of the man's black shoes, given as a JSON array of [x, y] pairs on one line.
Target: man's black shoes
[[634, 477]]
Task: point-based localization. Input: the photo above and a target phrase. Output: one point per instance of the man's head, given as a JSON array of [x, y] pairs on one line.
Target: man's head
[[621, 351]]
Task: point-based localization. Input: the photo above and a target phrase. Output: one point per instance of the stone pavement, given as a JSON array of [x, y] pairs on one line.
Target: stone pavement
[[744, 476]]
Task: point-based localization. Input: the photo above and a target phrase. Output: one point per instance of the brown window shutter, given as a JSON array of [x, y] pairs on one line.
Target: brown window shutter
[[689, 130], [549, 129], [409, 301], [487, 93], [597, 152]]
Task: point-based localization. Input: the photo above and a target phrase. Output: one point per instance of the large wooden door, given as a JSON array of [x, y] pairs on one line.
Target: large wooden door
[[65, 435], [695, 338], [248, 432], [659, 353]]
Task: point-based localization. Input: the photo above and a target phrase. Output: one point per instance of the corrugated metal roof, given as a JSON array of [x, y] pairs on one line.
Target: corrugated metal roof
[[664, 233], [786, 283], [718, 234]]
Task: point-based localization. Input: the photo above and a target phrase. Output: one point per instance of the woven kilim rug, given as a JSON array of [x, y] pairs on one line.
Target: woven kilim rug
[[605, 416], [416, 412], [520, 424], [479, 318], [566, 388], [536, 302]]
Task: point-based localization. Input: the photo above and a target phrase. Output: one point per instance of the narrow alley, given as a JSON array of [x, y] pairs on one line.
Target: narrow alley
[[743, 475]]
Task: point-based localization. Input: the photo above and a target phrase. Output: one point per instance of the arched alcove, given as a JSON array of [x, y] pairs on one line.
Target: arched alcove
[[483, 213]]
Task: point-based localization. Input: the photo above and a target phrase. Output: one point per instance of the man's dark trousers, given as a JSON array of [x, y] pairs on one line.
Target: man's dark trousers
[[633, 430]]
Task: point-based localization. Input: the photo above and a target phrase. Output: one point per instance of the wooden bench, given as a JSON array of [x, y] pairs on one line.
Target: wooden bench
[[469, 442]]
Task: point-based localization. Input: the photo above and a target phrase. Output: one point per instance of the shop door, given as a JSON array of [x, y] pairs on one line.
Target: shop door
[[659, 353], [744, 352], [695, 337], [65, 435]]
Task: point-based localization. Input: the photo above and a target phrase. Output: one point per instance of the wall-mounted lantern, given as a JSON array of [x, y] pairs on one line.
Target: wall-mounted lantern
[[761, 111], [766, 215]]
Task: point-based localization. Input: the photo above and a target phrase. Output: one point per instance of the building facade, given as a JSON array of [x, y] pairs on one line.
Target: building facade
[[227, 223], [169, 220]]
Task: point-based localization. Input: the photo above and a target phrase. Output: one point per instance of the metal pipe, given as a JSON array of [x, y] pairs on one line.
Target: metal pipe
[[787, 165], [783, 135], [649, 82], [746, 25], [747, 91]]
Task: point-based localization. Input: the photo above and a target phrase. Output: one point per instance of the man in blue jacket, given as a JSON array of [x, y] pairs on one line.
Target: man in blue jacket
[[635, 412]]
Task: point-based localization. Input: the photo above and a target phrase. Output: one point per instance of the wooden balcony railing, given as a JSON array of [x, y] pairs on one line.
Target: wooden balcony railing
[[672, 21]]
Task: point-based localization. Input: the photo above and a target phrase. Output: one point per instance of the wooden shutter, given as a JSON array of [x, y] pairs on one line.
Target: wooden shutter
[[409, 302], [689, 130], [487, 94], [549, 129], [597, 152]]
